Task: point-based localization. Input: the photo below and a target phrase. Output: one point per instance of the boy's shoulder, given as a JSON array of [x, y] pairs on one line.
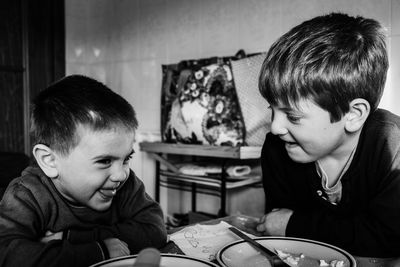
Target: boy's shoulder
[[32, 180], [382, 128], [32, 175], [383, 122]]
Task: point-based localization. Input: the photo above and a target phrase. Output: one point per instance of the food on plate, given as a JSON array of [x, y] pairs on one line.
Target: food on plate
[[301, 260]]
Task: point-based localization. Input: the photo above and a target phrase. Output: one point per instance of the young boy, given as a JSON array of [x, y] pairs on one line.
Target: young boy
[[331, 163], [81, 204]]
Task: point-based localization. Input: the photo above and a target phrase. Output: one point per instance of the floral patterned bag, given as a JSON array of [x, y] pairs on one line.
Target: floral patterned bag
[[199, 103]]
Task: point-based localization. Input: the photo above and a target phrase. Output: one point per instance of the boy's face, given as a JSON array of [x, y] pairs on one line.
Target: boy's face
[[308, 133], [91, 174]]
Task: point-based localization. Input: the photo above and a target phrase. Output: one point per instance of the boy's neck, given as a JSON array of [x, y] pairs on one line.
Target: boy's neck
[[334, 164]]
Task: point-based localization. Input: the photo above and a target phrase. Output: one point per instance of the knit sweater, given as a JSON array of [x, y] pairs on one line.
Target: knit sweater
[[31, 206], [366, 222]]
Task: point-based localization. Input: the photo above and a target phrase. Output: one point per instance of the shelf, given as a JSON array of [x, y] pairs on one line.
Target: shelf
[[220, 184], [212, 182], [241, 152]]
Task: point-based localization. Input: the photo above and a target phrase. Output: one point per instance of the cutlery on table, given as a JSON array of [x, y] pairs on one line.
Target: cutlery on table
[[272, 258]]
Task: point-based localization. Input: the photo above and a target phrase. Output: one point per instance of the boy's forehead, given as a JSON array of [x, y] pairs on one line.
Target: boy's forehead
[[114, 127], [83, 130], [110, 141], [290, 104], [94, 144], [299, 105]]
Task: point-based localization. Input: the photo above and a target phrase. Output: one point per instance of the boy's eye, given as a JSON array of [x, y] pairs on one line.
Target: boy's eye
[[272, 112], [127, 159], [104, 161], [293, 118]]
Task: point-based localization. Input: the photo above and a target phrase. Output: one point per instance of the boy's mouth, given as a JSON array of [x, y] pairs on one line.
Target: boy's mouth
[[290, 144], [108, 193]]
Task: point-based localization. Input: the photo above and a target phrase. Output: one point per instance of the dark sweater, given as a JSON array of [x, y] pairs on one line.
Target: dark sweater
[[366, 222], [31, 206]]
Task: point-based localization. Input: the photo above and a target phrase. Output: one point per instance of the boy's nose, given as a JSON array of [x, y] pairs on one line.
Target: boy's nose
[[278, 126], [119, 175]]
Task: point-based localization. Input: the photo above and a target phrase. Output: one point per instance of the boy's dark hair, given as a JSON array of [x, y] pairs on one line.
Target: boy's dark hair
[[74, 100], [330, 60]]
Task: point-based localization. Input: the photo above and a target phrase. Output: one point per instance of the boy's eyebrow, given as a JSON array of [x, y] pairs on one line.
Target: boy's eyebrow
[[289, 109], [113, 157], [131, 153]]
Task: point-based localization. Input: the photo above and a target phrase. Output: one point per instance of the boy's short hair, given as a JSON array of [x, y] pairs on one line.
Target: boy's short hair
[[77, 100], [331, 60]]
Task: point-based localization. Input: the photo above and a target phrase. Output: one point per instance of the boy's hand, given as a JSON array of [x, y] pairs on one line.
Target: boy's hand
[[116, 247], [48, 236], [275, 222], [148, 257]]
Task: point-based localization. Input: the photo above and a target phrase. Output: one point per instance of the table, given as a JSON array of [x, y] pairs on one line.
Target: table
[[248, 223], [242, 222], [222, 154]]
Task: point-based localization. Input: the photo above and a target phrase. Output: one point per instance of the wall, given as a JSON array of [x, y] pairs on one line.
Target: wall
[[124, 42]]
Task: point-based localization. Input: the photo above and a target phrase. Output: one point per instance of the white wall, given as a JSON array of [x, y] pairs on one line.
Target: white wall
[[124, 42]]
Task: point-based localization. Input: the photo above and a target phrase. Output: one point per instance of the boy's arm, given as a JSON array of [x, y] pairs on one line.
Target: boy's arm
[[279, 190], [138, 220], [21, 218]]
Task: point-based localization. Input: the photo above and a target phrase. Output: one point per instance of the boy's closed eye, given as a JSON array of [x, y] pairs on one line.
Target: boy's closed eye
[[128, 158], [272, 112], [293, 118], [107, 161]]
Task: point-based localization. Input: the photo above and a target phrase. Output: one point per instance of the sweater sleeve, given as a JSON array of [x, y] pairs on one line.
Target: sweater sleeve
[[138, 220], [279, 187], [21, 223]]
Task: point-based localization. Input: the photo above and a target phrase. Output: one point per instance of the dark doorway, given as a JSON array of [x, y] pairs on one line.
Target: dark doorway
[[32, 55]]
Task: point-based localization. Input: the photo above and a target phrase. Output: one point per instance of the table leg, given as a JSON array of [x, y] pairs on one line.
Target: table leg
[[222, 211], [157, 182], [194, 189]]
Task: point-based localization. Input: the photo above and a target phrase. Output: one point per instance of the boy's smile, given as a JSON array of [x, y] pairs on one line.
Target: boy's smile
[[108, 193], [290, 145], [92, 173], [308, 133]]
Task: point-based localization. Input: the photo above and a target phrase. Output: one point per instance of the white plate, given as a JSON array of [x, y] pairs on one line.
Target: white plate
[[167, 260], [240, 253]]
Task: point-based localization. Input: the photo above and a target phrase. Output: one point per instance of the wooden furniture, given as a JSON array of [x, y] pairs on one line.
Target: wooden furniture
[[219, 184], [11, 166], [32, 56]]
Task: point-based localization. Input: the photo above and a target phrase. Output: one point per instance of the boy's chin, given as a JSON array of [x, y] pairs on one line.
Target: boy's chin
[[100, 205], [300, 158]]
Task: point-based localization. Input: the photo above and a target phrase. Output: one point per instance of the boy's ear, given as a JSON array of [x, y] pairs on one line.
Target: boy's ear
[[46, 160], [357, 114]]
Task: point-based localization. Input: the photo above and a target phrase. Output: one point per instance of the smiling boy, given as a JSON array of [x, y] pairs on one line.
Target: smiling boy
[[331, 163], [81, 204]]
